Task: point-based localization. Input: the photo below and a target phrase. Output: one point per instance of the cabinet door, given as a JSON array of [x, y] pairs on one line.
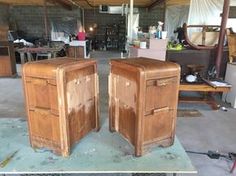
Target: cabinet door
[[42, 93], [161, 93]]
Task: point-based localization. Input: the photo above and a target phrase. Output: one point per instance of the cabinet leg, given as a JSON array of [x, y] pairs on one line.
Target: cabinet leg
[[138, 151], [65, 153], [111, 129]]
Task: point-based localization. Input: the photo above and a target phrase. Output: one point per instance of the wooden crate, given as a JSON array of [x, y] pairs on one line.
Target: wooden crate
[[7, 59], [143, 96], [61, 102]]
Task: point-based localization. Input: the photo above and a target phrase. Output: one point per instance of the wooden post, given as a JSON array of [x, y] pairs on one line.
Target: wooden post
[[46, 19], [219, 51]]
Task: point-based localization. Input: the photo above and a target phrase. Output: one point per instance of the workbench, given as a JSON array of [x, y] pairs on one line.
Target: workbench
[[204, 88], [102, 152]]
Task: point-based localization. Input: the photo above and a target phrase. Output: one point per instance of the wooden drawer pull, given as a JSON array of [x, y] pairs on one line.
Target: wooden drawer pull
[[162, 84], [166, 82], [160, 110], [51, 82]]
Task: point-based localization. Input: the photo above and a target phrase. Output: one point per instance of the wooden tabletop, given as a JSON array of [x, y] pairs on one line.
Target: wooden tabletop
[[202, 88], [37, 50]]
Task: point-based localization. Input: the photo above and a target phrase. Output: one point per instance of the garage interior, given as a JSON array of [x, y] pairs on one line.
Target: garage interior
[[100, 29]]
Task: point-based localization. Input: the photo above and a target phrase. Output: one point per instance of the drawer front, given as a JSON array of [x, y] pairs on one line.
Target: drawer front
[[45, 125], [159, 125], [42, 93], [161, 93]]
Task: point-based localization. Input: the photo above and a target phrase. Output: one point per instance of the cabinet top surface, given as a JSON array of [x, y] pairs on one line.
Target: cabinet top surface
[[48, 67], [148, 65]]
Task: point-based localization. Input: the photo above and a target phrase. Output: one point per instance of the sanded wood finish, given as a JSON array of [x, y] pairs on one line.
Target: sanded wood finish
[[7, 59], [61, 102], [143, 96]]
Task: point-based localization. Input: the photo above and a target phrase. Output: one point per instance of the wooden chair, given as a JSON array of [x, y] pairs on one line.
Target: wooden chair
[[232, 46]]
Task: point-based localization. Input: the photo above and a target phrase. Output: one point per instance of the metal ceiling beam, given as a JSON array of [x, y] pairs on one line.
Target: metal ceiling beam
[[155, 3], [89, 3]]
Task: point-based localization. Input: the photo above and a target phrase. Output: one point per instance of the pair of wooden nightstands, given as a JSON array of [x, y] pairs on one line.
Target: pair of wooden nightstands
[[62, 101]]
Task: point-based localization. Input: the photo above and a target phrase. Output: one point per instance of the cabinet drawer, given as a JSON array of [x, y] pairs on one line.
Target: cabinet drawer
[[42, 93], [158, 125], [44, 124]]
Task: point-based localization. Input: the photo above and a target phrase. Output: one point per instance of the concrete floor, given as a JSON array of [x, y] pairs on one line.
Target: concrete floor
[[214, 131]]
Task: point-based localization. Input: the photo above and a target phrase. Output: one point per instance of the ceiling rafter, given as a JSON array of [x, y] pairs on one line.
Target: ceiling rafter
[[88, 4], [156, 3], [64, 3]]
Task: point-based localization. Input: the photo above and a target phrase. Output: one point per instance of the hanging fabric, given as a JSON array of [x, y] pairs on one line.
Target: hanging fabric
[[134, 26], [205, 12], [176, 16]]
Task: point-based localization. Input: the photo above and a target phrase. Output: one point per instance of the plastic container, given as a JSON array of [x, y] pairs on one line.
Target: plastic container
[[81, 35]]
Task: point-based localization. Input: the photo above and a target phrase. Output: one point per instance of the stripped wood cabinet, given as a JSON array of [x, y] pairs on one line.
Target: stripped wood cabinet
[[143, 96], [75, 52], [61, 102], [7, 59]]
